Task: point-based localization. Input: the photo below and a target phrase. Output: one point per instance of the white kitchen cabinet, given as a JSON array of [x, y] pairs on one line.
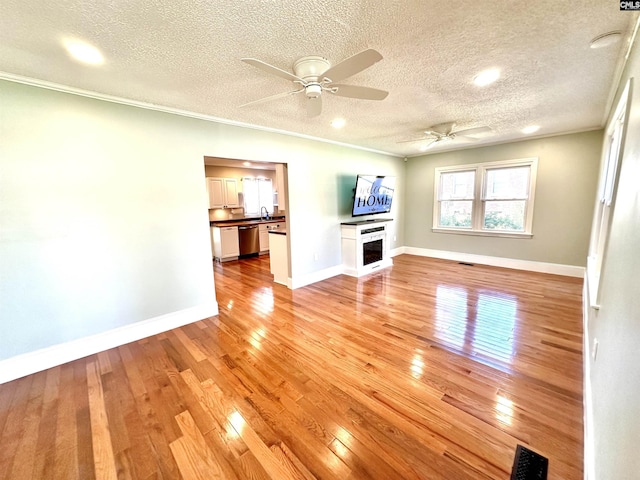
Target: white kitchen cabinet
[[264, 233], [226, 245], [264, 237], [281, 178], [279, 258], [223, 192]]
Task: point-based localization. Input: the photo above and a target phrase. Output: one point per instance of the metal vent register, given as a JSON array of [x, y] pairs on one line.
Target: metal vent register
[[529, 465]]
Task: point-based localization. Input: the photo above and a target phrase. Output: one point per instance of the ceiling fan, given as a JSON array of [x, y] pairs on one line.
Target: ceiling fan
[[445, 132], [315, 75]]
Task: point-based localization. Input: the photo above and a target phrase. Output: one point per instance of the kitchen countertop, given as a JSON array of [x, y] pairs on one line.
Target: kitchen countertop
[[236, 222]]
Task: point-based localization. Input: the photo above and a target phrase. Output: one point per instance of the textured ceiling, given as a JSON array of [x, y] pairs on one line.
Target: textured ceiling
[[186, 55]]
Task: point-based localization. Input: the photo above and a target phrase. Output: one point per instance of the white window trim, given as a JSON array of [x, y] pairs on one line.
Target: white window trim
[[615, 135], [478, 208]]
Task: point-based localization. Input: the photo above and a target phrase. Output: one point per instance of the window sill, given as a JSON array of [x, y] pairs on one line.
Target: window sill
[[483, 233]]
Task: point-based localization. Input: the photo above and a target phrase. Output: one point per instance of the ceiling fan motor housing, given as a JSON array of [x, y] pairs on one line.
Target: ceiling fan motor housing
[[311, 67]]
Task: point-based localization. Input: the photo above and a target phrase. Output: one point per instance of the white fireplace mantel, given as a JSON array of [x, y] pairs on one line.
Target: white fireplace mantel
[[365, 246]]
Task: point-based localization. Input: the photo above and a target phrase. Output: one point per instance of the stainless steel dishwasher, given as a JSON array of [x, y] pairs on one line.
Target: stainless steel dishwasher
[[249, 239]]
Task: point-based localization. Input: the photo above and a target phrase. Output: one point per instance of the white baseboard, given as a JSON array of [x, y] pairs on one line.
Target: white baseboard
[[314, 277], [32, 362], [541, 267], [587, 399]]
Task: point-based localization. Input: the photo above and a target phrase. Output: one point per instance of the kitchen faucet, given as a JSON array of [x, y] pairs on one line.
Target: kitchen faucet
[[266, 213]]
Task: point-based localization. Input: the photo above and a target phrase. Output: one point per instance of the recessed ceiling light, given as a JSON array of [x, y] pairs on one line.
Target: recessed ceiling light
[[486, 77], [246, 164], [84, 52], [338, 122], [605, 40], [531, 129]]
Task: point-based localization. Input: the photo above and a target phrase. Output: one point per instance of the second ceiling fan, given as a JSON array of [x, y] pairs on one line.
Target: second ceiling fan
[[446, 132], [314, 76]]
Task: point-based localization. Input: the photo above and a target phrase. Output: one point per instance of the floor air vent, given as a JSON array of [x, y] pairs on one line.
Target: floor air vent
[[529, 465], [466, 264]]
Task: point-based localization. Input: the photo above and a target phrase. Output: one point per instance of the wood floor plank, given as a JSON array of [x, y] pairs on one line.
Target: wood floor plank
[[192, 454], [104, 459], [45, 459], [23, 466], [425, 370], [65, 443], [13, 425]]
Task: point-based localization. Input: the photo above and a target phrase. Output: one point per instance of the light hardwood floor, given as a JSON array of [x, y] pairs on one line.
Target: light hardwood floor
[[426, 370]]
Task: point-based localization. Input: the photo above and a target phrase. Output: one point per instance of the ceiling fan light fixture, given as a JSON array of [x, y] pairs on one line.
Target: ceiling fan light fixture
[[486, 77], [605, 40], [313, 90]]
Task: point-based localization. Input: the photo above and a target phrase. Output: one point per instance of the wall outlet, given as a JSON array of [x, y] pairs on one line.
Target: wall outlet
[[594, 351], [315, 257], [395, 238]]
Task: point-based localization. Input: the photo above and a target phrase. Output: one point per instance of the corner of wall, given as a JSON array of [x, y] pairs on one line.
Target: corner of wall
[[587, 400]]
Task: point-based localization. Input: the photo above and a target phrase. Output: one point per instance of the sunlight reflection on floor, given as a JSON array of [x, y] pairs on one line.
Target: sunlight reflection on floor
[[476, 321]]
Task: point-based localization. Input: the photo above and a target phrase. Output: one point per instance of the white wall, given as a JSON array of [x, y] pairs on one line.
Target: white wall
[[566, 182], [614, 378], [321, 184], [103, 219], [103, 212]]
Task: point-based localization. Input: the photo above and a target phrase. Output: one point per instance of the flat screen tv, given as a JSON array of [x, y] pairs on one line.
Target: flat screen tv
[[373, 194]]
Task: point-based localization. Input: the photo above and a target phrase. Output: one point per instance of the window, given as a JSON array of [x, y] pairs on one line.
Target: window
[[609, 175], [485, 199], [257, 193]]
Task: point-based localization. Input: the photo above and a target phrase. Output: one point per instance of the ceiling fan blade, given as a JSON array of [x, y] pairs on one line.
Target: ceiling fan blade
[[353, 91], [441, 129], [433, 136], [273, 97], [472, 131], [314, 106], [272, 70], [435, 133], [352, 65]]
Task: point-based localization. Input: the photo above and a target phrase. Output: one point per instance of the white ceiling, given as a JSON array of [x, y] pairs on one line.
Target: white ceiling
[[186, 55]]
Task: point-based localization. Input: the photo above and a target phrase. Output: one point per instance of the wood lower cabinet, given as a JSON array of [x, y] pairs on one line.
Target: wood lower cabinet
[[225, 243]]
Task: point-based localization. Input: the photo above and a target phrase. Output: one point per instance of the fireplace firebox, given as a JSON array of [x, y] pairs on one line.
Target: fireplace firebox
[[372, 251]]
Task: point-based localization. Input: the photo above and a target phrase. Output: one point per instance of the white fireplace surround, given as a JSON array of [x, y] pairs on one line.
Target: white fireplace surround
[[355, 235]]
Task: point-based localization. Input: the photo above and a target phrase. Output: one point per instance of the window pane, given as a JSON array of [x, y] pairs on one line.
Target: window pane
[[251, 199], [455, 214], [457, 185], [265, 193], [612, 163], [504, 215], [507, 183]]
